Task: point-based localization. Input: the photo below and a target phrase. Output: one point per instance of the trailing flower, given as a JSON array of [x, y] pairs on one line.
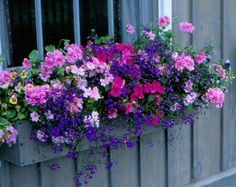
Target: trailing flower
[[71, 94]]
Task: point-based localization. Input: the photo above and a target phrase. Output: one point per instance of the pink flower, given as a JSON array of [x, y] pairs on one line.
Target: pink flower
[[112, 113], [220, 71], [93, 93], [151, 35], [201, 57], [190, 98], [26, 64], [130, 29], [74, 53], [184, 61], [5, 79], [215, 96], [129, 108], [54, 59], [164, 21], [186, 27], [76, 105], [36, 95], [49, 115], [34, 116], [155, 120], [137, 94], [157, 87], [127, 52], [118, 84]]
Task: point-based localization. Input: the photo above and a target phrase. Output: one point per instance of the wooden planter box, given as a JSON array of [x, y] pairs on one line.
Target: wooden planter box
[[26, 151]]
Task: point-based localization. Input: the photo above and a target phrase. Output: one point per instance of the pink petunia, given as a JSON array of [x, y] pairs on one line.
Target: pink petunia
[[26, 64], [93, 93], [112, 113], [130, 29], [129, 108], [36, 95], [118, 84], [137, 93], [157, 87], [201, 57], [186, 27], [54, 59], [164, 21]]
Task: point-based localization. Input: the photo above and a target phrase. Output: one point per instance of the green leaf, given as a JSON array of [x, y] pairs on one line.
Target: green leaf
[[50, 48], [34, 56], [4, 122], [61, 72], [150, 98], [10, 114], [21, 115]]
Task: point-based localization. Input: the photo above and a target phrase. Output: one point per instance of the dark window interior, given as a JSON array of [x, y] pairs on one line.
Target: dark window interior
[[57, 17]]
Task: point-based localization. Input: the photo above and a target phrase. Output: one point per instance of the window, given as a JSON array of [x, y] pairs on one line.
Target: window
[[34, 24]]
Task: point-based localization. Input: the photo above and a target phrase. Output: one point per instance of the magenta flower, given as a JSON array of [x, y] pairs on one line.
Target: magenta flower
[[201, 57], [129, 108], [54, 59], [36, 95], [186, 27], [5, 79], [164, 21], [130, 29], [74, 53], [26, 64], [118, 84]]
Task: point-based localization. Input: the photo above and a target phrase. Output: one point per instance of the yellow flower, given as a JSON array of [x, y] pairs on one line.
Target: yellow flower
[[18, 107], [13, 75], [4, 106], [23, 74], [13, 100]]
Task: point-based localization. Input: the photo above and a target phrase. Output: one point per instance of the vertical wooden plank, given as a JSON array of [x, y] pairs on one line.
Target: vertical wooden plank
[[180, 149], [229, 110], [101, 177], [5, 180], [125, 170], [179, 156], [27, 176], [63, 177], [129, 15], [207, 131], [153, 159]]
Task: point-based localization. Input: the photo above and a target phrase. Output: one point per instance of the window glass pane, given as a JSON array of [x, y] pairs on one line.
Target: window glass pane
[[22, 31], [57, 21], [93, 15]]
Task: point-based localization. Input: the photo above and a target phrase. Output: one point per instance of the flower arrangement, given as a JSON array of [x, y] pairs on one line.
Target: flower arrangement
[[151, 82]]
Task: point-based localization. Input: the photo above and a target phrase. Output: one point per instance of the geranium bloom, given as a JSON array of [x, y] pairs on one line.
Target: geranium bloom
[[184, 61], [5, 79], [201, 57], [74, 53], [130, 29], [127, 51], [164, 21], [215, 96], [118, 84], [26, 64], [137, 94], [54, 59], [36, 95], [153, 88], [186, 27]]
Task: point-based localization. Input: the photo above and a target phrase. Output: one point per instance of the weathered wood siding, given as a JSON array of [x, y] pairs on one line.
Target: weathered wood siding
[[197, 152]]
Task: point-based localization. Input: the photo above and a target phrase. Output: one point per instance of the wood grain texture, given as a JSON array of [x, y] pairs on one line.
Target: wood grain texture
[[229, 110], [125, 170], [153, 157], [63, 177], [207, 130], [179, 156], [27, 176], [5, 180]]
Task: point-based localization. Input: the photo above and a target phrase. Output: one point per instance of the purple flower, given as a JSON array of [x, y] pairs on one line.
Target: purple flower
[[34, 116]]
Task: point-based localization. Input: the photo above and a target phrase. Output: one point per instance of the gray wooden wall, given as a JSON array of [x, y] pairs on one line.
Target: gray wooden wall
[[197, 152]]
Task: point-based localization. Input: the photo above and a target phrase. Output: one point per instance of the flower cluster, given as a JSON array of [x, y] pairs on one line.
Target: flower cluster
[[73, 92]]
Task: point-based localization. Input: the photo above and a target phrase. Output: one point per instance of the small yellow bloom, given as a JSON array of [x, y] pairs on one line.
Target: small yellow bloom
[[23, 74], [13, 100], [13, 75], [18, 107], [4, 106]]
